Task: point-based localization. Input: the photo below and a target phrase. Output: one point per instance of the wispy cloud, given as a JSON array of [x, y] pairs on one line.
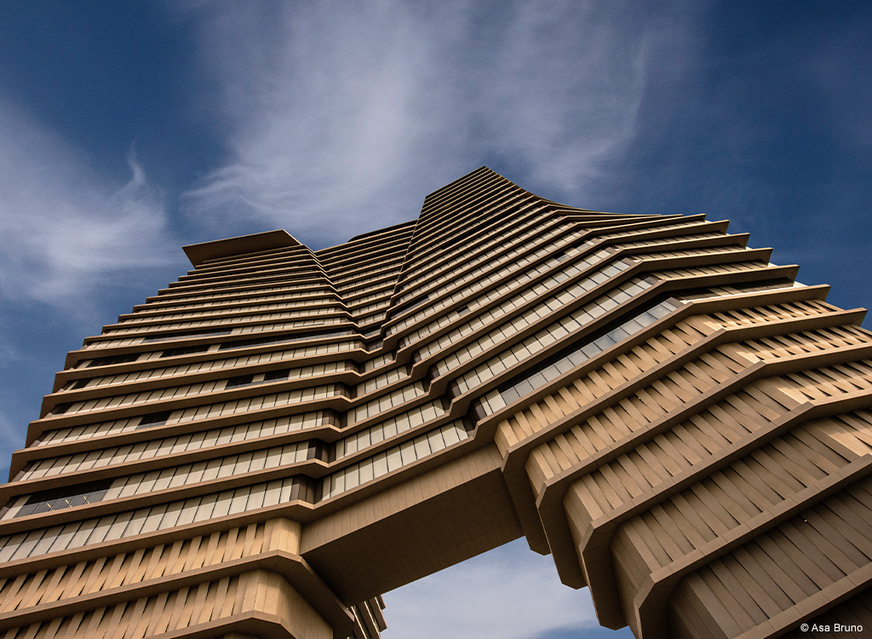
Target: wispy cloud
[[64, 226], [351, 113], [509, 593], [72, 239]]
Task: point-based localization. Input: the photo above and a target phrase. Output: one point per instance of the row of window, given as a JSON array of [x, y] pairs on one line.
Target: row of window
[[151, 518], [378, 361], [268, 263], [59, 499], [238, 330], [715, 269], [553, 303], [164, 337], [163, 447], [366, 322], [224, 285], [254, 265], [547, 307], [729, 290], [251, 430], [204, 388], [379, 270], [252, 285], [215, 365], [393, 459], [549, 248], [182, 299], [225, 309], [582, 353], [223, 467], [469, 224], [383, 286], [390, 400], [480, 277], [551, 334], [245, 277], [364, 316], [473, 190], [282, 338], [383, 380], [173, 477], [388, 428], [288, 255], [451, 264], [204, 411], [383, 291], [108, 361], [693, 252], [193, 368], [185, 443], [216, 437], [485, 240], [131, 328], [285, 295], [552, 369], [345, 256], [671, 239], [454, 259]]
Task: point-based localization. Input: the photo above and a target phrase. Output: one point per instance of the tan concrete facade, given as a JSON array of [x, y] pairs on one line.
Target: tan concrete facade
[[280, 436]]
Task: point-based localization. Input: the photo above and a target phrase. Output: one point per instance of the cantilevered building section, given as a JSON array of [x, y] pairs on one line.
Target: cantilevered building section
[[282, 435]]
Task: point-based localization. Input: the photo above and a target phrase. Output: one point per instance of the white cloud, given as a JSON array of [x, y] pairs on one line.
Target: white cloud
[[64, 227], [73, 240], [508, 593], [324, 109], [349, 113]]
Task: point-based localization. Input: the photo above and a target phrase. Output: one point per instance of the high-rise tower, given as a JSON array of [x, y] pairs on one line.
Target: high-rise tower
[[282, 435]]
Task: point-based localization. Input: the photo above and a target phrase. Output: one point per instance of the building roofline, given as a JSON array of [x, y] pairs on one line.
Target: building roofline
[[204, 251]]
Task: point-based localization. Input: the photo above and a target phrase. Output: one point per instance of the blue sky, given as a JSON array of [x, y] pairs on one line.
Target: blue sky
[[129, 129]]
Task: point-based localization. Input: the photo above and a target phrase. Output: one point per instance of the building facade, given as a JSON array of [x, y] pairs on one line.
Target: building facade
[[282, 435]]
